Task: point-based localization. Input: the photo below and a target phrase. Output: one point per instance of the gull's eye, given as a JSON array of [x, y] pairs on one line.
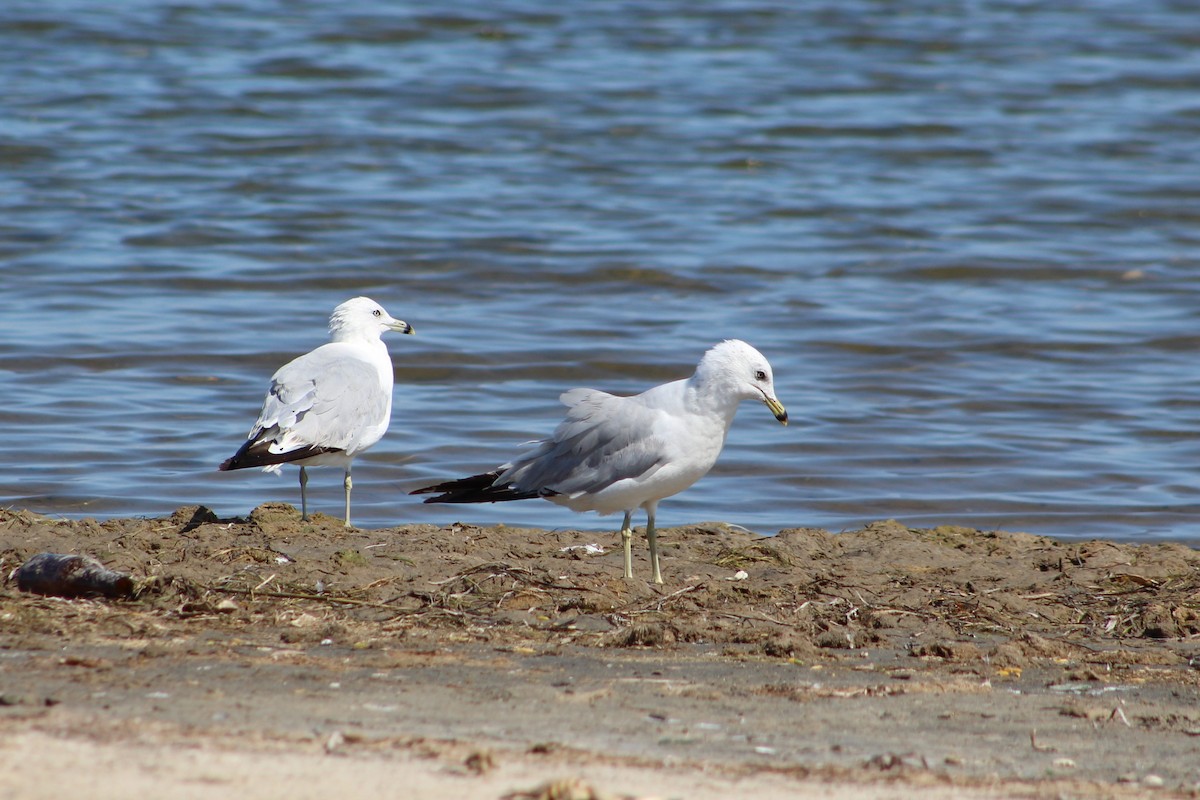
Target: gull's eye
[[760, 375], [377, 313]]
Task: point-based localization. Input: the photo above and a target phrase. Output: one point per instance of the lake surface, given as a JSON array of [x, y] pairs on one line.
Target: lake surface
[[967, 235]]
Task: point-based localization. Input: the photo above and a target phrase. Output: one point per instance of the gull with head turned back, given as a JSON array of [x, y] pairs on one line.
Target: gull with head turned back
[[615, 453], [328, 405]]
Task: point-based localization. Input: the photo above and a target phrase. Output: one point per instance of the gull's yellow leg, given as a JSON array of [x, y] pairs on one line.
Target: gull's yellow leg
[[627, 544], [303, 497], [652, 537]]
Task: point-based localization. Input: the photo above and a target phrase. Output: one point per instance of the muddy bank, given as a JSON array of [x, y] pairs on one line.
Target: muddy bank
[[1000, 662]]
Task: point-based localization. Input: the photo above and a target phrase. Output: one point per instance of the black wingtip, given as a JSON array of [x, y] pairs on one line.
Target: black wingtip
[[258, 454], [480, 488]]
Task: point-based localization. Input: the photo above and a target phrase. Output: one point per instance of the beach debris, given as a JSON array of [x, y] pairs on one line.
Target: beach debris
[[480, 762], [887, 762], [1041, 748], [335, 742], [566, 789], [22, 699], [67, 575], [584, 549]]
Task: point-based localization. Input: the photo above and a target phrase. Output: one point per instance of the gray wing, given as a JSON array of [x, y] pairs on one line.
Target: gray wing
[[604, 439], [322, 399]]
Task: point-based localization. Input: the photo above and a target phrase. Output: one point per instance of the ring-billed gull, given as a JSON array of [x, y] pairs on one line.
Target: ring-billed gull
[[329, 405], [623, 453]]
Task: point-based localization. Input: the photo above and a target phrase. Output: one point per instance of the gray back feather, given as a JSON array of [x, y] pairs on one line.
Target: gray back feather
[[331, 405], [604, 439]]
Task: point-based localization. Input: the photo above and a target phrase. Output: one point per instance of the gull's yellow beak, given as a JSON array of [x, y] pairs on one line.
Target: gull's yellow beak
[[776, 408], [400, 326]]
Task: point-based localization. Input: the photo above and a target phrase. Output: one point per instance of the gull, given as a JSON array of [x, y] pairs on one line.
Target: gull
[[615, 453], [328, 405]]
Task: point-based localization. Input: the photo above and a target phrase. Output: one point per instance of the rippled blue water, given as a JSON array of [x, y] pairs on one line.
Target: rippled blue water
[[964, 233]]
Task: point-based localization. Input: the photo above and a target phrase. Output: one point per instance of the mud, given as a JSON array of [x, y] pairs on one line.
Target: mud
[[888, 659]]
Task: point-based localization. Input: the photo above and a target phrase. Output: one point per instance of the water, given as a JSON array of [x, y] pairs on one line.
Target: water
[[964, 233]]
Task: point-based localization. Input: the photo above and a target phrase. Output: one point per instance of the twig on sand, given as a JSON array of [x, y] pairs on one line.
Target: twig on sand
[[657, 604], [516, 573], [759, 618], [429, 607], [1041, 748], [319, 598]]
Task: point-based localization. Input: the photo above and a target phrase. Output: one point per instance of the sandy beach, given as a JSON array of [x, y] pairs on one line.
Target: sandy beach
[[271, 657]]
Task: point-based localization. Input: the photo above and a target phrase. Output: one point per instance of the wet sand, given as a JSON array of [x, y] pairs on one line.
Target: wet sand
[[272, 657]]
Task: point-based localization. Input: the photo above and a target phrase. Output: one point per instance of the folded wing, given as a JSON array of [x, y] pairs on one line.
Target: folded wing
[[312, 409]]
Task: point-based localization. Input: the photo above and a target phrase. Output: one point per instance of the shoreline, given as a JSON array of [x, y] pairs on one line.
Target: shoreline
[[931, 663]]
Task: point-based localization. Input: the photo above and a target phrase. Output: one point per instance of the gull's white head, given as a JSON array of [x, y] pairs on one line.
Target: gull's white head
[[363, 318], [741, 372]]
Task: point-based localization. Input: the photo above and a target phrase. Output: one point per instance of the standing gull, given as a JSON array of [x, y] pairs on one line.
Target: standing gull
[[329, 405], [623, 453]]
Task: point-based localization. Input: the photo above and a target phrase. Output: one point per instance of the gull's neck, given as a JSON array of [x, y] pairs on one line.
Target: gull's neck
[[351, 335], [376, 351], [711, 398]]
